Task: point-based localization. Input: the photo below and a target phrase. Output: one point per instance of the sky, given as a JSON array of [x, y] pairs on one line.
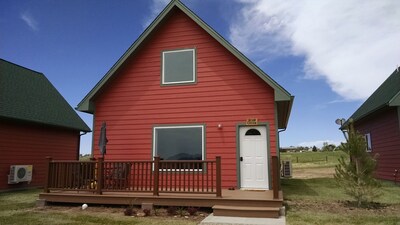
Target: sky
[[331, 55]]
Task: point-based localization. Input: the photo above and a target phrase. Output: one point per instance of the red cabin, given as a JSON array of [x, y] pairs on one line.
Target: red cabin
[[378, 118], [182, 92], [35, 122]]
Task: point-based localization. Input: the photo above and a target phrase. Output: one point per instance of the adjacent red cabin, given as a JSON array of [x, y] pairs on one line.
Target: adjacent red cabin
[[378, 118], [182, 92], [35, 122]]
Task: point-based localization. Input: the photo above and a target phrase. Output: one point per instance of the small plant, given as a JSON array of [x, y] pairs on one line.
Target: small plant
[[181, 211], [129, 211], [156, 211], [146, 212], [192, 211], [172, 210]]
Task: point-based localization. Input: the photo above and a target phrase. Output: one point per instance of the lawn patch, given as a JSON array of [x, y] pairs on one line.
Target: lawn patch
[[321, 201]]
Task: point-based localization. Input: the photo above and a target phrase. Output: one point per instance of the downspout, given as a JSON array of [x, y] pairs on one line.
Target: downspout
[[79, 144], [279, 144]]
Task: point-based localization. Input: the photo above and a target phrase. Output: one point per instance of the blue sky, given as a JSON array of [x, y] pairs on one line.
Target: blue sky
[[331, 55]]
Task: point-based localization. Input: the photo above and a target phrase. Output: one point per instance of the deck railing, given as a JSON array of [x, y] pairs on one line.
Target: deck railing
[[155, 176]]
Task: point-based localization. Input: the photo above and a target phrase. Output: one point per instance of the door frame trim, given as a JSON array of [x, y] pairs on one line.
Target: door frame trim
[[238, 172]]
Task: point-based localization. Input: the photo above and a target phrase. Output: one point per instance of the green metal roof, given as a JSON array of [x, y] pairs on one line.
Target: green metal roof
[[27, 95], [388, 94], [282, 97]]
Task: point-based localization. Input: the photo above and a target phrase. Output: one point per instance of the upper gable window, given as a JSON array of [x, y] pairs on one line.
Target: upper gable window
[[178, 67]]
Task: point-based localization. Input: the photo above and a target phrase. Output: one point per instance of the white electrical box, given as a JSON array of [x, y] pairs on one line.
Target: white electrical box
[[20, 173]]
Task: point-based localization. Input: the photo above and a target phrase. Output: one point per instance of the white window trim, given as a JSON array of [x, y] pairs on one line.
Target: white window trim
[[368, 141], [183, 126], [194, 67]]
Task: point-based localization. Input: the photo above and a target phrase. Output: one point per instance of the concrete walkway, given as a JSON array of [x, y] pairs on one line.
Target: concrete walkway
[[224, 220]]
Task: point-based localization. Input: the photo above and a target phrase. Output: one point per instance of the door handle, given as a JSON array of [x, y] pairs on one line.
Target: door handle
[[241, 158]]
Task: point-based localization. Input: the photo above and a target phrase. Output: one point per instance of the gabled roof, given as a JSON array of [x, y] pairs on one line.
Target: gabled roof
[[27, 95], [388, 94], [282, 97]]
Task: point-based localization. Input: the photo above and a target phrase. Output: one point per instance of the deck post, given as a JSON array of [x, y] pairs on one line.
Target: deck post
[[47, 181], [156, 175], [275, 176], [218, 176], [100, 175]]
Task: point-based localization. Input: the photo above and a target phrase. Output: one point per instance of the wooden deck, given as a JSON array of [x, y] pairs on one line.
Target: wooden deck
[[170, 183], [229, 198], [232, 203]]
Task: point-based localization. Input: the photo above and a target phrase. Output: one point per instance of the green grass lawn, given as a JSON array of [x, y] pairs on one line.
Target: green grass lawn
[[313, 159], [322, 201]]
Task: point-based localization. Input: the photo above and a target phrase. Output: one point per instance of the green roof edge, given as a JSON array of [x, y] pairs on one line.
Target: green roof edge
[[392, 102], [395, 101]]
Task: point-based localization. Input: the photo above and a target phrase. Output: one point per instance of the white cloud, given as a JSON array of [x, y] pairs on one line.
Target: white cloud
[[30, 21], [353, 45], [318, 144], [156, 7]]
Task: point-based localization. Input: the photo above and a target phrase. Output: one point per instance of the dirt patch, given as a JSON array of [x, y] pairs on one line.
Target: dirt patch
[[308, 173], [341, 207], [159, 213]]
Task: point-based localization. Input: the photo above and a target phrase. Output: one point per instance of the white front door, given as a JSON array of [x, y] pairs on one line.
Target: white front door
[[254, 158]]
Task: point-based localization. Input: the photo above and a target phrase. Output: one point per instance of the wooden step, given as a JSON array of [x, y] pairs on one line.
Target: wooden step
[[246, 211]]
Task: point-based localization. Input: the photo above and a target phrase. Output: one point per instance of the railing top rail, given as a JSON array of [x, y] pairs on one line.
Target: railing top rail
[[71, 161], [134, 161], [188, 161]]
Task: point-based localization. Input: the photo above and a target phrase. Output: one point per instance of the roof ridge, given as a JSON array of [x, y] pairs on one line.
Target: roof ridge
[[23, 67]]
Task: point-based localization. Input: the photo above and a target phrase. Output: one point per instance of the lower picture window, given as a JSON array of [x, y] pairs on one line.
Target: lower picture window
[[179, 143]]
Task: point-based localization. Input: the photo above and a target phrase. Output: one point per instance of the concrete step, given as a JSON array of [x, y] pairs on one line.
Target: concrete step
[[246, 211], [226, 220], [252, 202]]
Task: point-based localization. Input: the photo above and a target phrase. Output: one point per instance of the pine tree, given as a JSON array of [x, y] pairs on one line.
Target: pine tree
[[356, 175], [314, 149]]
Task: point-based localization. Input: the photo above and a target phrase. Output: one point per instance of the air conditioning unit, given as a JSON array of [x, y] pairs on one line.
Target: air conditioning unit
[[286, 170], [20, 173]]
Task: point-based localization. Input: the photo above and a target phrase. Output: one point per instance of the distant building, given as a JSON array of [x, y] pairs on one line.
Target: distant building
[[35, 122]]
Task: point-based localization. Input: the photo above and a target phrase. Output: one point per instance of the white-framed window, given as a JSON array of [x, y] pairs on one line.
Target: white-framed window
[[368, 142], [179, 142], [178, 67]]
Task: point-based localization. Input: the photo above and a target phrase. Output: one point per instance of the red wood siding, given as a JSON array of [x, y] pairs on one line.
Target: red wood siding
[[385, 140], [226, 93], [25, 144]]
